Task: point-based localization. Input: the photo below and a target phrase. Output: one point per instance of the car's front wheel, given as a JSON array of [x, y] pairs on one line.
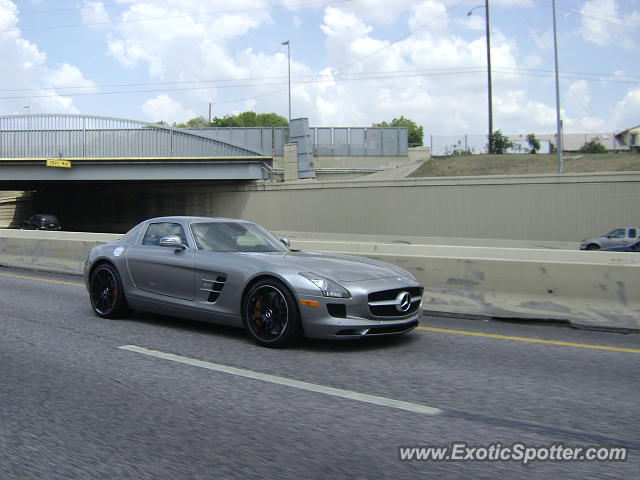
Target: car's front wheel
[[270, 314], [593, 246], [106, 292]]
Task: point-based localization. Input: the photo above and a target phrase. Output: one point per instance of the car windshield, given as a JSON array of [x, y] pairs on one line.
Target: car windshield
[[234, 237]]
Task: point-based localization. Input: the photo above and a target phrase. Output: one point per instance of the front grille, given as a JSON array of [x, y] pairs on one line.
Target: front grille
[[386, 303]]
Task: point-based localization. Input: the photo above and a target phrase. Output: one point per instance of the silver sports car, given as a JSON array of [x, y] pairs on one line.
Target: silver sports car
[[236, 273]]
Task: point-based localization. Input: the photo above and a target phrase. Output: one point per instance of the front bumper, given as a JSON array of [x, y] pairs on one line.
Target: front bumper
[[338, 318]]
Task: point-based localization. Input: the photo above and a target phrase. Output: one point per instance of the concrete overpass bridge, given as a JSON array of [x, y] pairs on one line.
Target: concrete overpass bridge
[[46, 149]]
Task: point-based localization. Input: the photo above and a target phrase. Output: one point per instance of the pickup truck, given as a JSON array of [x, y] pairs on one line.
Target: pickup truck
[[619, 237]]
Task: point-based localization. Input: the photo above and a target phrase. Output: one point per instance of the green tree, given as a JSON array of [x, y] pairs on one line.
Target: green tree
[[594, 146], [415, 132], [534, 143], [244, 119], [197, 122], [250, 119], [499, 143]]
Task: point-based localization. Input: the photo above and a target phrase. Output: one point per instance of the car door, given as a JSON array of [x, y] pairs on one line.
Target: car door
[[162, 270], [632, 236], [616, 238]]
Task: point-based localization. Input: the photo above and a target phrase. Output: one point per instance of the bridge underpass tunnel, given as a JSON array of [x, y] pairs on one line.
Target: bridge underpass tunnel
[[115, 207]]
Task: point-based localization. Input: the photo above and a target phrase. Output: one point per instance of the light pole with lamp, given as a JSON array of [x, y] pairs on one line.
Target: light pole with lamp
[[489, 94], [286, 42]]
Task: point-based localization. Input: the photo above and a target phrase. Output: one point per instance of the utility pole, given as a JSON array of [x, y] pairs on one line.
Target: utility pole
[[209, 113], [558, 119], [489, 89]]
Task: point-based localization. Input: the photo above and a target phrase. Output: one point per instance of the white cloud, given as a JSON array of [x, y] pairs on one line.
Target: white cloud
[[94, 12], [626, 110], [603, 24], [578, 98], [164, 107], [382, 12], [69, 76], [430, 17], [585, 124], [157, 34], [31, 81]]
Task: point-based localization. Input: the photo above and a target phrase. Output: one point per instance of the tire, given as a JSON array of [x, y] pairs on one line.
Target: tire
[[270, 314], [106, 292], [593, 246]]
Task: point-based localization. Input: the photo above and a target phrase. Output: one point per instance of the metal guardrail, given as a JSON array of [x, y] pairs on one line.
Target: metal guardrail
[[326, 141], [85, 136]]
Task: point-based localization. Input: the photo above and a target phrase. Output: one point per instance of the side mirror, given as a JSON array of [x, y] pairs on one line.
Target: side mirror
[[286, 242], [172, 241]]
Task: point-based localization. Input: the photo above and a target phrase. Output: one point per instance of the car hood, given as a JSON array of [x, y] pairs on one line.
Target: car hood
[[593, 239], [342, 268]]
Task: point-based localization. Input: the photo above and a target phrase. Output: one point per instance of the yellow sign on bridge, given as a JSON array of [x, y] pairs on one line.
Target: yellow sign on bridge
[[59, 163]]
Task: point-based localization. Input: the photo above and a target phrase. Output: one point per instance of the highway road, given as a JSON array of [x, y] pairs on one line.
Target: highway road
[[184, 400]]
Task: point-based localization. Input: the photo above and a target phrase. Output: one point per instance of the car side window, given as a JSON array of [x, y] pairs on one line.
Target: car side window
[[618, 233], [633, 233], [155, 231]]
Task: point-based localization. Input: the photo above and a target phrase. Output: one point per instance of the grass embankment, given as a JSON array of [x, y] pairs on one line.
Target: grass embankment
[[518, 164]]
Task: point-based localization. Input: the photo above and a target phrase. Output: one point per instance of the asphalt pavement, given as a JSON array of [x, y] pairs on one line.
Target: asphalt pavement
[[187, 400]]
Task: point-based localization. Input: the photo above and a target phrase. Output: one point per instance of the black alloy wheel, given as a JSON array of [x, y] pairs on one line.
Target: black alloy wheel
[[106, 293], [270, 314], [593, 246]]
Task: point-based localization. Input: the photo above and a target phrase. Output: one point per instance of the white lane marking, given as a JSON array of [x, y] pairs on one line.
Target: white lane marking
[[312, 387]]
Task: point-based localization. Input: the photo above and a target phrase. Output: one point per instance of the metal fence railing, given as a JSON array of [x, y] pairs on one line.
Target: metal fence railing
[[81, 136], [327, 141]]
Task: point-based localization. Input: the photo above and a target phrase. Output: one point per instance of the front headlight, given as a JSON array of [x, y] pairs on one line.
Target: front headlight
[[329, 288]]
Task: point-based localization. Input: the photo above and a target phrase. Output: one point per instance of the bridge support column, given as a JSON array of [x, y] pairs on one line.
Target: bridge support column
[[290, 161]]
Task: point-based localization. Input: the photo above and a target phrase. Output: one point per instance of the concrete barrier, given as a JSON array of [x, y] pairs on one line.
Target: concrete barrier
[[62, 252], [589, 288]]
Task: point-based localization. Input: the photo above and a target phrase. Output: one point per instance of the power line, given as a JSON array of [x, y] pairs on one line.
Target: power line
[[70, 9], [319, 79], [613, 20]]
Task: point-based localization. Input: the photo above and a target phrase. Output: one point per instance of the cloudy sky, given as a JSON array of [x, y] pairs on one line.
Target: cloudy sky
[[353, 62]]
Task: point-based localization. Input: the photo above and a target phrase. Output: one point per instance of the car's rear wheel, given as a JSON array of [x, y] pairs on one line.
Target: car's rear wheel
[[270, 314], [106, 292], [593, 246]]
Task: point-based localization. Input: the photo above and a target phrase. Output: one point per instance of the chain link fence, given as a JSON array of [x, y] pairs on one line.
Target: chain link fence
[[476, 143]]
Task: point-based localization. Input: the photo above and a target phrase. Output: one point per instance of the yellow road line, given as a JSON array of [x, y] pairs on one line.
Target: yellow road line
[[41, 279], [531, 340]]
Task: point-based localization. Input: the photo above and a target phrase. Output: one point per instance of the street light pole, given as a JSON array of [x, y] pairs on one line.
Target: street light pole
[[489, 92], [287, 43], [489, 89], [558, 120]]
